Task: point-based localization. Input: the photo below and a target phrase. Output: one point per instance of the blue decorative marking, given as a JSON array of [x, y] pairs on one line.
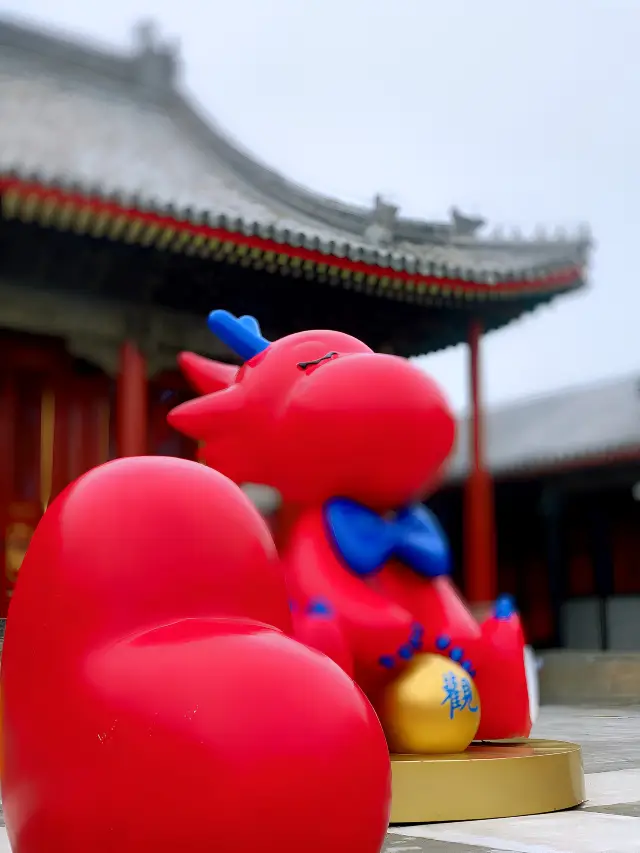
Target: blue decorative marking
[[386, 661], [472, 673], [416, 637], [456, 654], [292, 606], [504, 607], [443, 642], [318, 607], [365, 541], [241, 334], [467, 665], [458, 694], [405, 652]]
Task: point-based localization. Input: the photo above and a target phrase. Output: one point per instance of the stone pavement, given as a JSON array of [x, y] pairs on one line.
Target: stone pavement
[[608, 823]]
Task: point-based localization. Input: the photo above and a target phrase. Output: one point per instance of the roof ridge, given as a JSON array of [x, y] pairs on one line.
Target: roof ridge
[[23, 29], [150, 69], [573, 390], [354, 218], [59, 44], [313, 205], [591, 421]]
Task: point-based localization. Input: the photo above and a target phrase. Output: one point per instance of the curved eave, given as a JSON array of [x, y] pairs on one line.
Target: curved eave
[[491, 321], [259, 246], [531, 469]]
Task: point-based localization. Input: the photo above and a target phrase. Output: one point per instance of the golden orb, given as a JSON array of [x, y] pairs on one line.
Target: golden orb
[[431, 708]]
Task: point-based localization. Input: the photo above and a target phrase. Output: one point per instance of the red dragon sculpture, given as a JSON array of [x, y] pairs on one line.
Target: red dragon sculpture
[[352, 440]]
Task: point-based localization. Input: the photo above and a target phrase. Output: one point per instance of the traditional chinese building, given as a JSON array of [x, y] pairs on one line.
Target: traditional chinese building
[[566, 473], [126, 217]]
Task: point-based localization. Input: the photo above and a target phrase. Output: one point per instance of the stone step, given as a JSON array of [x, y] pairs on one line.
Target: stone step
[[589, 678]]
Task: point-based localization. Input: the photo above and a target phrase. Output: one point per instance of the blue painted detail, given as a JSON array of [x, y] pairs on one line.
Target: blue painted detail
[[456, 654], [386, 661], [467, 665], [504, 607], [293, 606], [443, 642], [318, 607], [458, 694], [241, 334], [405, 652], [251, 324], [417, 636], [472, 673], [365, 541]]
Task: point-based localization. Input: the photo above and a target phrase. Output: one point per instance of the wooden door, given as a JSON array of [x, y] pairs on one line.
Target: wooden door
[[26, 428], [54, 426]]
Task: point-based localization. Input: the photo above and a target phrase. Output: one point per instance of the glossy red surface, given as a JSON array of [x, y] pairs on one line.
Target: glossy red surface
[[351, 422], [318, 416], [152, 701]]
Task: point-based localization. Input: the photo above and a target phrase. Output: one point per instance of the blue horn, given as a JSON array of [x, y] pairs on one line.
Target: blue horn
[[240, 334]]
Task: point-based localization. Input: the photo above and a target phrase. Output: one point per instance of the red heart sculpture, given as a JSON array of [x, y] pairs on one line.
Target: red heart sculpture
[[146, 708]]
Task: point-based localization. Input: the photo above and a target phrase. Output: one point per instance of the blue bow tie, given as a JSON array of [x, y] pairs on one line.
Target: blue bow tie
[[365, 541]]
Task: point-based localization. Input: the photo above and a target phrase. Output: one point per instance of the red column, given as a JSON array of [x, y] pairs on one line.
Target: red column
[[131, 402], [479, 520]]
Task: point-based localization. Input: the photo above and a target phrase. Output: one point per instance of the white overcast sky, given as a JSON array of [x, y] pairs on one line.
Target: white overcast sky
[[523, 111]]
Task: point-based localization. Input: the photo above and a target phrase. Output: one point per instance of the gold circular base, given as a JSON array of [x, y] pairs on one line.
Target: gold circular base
[[489, 780]]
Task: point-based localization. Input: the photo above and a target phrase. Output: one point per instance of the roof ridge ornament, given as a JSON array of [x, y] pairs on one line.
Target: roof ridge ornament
[[156, 60], [584, 232], [382, 221], [463, 225]]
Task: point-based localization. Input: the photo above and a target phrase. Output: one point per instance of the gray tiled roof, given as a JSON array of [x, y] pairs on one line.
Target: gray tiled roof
[[118, 123], [557, 428]]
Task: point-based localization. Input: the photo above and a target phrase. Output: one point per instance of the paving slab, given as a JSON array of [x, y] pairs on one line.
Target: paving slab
[[608, 823], [610, 737]]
